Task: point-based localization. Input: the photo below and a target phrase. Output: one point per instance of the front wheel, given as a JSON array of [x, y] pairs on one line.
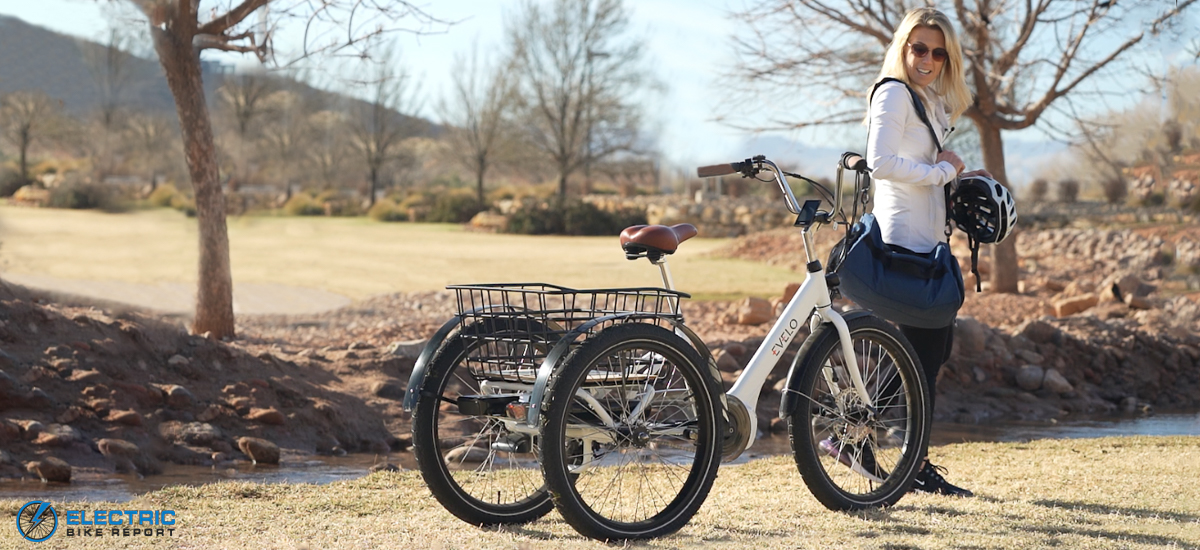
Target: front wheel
[[631, 438], [853, 456]]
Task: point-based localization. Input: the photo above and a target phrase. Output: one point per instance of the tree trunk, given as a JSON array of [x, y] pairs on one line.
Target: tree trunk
[[214, 296], [482, 168], [24, 151], [562, 187], [374, 183], [1004, 255]]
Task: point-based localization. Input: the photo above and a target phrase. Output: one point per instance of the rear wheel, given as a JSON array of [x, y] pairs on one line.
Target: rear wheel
[[631, 435], [477, 468], [850, 455]]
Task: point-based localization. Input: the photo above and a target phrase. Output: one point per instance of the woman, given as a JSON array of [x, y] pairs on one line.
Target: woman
[[909, 171]]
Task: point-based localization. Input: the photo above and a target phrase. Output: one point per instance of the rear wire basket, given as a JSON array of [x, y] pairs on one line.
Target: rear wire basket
[[511, 327]]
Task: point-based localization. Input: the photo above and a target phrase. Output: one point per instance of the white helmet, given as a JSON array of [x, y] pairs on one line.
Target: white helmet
[[983, 209]]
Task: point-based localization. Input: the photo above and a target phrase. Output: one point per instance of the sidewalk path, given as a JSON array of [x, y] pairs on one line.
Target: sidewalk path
[[180, 298]]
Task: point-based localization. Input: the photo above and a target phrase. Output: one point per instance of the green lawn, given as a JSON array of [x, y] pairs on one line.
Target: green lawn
[[356, 257], [1118, 493]]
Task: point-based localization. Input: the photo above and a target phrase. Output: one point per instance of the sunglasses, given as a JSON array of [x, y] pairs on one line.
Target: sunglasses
[[921, 50]]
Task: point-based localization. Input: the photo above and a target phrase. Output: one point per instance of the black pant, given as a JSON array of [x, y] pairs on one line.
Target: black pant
[[933, 348]]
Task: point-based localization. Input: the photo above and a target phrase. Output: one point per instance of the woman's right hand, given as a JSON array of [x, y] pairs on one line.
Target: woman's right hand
[[952, 158]]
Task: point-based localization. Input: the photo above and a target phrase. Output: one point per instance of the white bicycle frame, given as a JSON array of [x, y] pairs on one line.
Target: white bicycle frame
[[812, 296]]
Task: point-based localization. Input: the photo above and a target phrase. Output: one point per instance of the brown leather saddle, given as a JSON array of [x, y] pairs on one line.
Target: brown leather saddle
[[653, 241]]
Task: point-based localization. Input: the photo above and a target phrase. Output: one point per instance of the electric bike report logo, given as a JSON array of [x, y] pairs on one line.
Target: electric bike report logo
[[37, 521]]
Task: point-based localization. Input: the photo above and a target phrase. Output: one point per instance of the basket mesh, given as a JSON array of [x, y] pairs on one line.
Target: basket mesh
[[512, 326]]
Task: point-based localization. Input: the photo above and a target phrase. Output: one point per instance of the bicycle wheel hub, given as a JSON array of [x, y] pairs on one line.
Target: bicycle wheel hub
[[636, 436]]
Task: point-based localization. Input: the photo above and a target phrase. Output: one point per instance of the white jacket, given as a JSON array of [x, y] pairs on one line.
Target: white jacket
[[910, 203]]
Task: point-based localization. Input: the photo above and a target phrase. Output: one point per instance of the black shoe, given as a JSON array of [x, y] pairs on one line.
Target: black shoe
[[859, 458], [930, 480]]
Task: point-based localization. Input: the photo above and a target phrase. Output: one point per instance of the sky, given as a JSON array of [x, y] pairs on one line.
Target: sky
[[686, 54], [689, 46]]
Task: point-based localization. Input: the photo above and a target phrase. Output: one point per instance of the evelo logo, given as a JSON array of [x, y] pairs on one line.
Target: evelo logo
[[37, 521]]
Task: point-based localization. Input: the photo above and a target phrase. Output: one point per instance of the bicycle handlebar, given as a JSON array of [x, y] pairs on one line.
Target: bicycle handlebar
[[716, 170]]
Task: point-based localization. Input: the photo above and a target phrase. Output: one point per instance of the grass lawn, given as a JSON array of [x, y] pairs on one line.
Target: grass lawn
[[356, 257], [1137, 492]]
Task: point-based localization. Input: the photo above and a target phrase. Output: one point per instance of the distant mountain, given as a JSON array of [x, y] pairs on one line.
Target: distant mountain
[[33, 58]]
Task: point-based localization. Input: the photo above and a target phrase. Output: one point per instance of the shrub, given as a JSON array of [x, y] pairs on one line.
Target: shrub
[[455, 207], [184, 204], [10, 181], [1068, 190], [1038, 190], [302, 204], [387, 210], [163, 195], [83, 196], [1115, 189], [574, 218]]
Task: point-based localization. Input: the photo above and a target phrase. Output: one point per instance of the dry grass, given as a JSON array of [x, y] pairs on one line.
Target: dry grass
[[1104, 493], [355, 257]]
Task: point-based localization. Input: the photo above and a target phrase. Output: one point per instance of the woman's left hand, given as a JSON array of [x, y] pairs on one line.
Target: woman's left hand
[[980, 172]]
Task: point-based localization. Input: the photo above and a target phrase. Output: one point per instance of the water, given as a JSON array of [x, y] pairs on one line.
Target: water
[[320, 470]]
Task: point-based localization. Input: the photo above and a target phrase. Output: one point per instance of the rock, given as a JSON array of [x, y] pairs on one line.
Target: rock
[[57, 435], [1039, 332], [5, 458], [464, 453], [407, 348], [9, 431], [126, 417], [778, 425], [270, 416], [1030, 377], [980, 375], [1030, 356], [260, 451], [178, 397], [384, 467], [1129, 404], [117, 448], [399, 443], [1001, 392], [388, 389], [970, 335], [210, 413], [85, 376], [737, 348], [70, 415], [52, 469], [31, 428], [190, 433], [1071, 306], [1055, 382], [37, 399], [754, 311], [1138, 302], [726, 361], [789, 292], [178, 361]]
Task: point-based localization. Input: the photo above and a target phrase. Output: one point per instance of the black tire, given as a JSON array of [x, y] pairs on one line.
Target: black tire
[[896, 435], [503, 488], [662, 464]]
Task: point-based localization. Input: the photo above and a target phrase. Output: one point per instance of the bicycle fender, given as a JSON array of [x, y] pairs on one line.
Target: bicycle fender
[[557, 353], [422, 364], [790, 398]]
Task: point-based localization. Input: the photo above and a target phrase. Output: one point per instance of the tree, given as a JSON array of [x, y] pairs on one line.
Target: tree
[[578, 73], [378, 125], [476, 114], [1022, 58], [180, 33], [150, 137], [28, 118], [109, 65]]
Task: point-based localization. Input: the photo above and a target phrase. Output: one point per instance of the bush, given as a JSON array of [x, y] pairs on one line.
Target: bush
[[163, 195], [1038, 190], [1068, 190], [10, 181], [83, 196], [455, 207], [574, 218], [184, 204], [1115, 189], [303, 204], [387, 210]]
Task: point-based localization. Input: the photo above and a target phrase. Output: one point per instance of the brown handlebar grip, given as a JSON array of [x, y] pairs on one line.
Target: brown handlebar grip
[[715, 170]]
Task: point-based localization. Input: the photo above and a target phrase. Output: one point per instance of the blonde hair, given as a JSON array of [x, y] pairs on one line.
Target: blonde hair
[[950, 84]]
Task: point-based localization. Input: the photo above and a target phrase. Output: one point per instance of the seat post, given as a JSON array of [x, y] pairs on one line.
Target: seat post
[[668, 283]]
